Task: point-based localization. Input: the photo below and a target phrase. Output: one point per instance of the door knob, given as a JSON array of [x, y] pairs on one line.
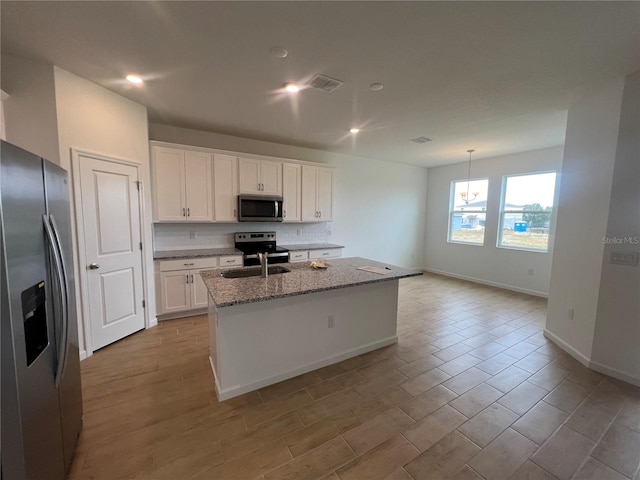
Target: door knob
[[94, 266]]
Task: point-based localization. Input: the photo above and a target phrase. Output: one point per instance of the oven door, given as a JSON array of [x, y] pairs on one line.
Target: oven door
[[259, 208]]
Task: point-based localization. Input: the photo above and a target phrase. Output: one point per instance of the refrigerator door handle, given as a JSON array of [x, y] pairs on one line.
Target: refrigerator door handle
[[58, 262]]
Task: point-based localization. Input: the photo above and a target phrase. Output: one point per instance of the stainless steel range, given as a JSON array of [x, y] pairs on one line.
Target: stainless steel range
[[253, 243]]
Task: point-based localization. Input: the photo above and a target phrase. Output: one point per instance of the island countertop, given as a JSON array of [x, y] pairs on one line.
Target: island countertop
[[302, 279]]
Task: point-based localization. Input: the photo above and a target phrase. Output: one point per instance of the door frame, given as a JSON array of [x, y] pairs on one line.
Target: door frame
[[82, 281]]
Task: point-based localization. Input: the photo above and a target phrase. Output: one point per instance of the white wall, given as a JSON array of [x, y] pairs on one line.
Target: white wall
[[600, 201], [616, 342], [93, 119], [379, 206], [590, 146], [487, 264], [30, 109]]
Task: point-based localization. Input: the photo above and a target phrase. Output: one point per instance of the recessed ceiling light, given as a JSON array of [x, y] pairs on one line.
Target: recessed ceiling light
[[134, 79], [354, 130], [291, 87], [279, 52], [374, 87]]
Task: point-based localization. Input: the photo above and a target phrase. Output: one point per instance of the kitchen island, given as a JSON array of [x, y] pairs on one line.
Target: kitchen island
[[263, 331]]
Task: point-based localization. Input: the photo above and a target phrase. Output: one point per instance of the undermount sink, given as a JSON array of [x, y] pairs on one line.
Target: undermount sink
[[252, 272]]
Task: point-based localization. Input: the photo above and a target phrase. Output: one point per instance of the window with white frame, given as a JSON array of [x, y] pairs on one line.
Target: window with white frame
[[467, 211], [525, 213]]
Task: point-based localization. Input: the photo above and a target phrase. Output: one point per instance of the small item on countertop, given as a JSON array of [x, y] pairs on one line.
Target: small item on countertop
[[318, 263], [378, 270]]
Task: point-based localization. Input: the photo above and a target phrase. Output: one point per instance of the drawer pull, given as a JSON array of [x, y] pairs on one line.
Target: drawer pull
[[189, 263]]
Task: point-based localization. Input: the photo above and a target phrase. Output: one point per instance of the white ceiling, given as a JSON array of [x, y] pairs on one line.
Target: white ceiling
[[494, 76]]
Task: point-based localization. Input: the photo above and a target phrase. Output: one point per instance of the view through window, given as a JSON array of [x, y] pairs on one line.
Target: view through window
[[467, 211], [527, 203]]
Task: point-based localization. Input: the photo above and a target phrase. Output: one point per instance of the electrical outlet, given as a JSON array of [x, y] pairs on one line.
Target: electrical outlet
[[530, 271], [193, 235], [570, 314], [299, 232], [332, 321]]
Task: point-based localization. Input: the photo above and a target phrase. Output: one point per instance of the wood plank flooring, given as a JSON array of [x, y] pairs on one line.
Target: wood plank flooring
[[471, 390]]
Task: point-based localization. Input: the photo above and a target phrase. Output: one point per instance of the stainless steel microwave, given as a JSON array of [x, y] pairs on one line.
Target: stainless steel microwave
[[259, 208]]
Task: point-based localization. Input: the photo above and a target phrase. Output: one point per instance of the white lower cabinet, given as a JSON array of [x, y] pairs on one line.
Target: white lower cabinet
[[179, 286], [299, 256], [304, 255]]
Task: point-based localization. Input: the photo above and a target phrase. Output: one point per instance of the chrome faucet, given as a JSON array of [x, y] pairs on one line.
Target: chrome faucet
[[264, 262]]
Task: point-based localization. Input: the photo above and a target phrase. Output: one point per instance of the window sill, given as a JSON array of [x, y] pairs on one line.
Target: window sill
[[457, 242], [523, 249]]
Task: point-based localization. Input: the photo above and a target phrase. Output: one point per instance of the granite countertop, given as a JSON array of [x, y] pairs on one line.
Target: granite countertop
[[195, 253], [302, 279], [310, 246]]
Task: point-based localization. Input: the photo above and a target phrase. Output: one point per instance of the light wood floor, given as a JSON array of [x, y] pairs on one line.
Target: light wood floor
[[472, 390]]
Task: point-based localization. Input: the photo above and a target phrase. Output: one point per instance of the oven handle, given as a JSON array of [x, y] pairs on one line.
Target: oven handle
[[271, 255]]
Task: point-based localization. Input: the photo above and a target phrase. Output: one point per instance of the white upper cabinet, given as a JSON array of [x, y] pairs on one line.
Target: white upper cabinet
[[292, 192], [260, 176], [198, 186], [182, 185], [325, 194], [317, 194], [169, 202], [225, 178]]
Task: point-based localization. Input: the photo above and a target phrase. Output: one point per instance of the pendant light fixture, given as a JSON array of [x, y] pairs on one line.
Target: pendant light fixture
[[465, 195]]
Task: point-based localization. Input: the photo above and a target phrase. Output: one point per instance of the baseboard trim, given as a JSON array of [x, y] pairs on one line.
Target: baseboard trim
[[230, 392], [615, 373], [481, 281], [183, 314], [582, 358], [587, 362], [153, 322], [83, 354]]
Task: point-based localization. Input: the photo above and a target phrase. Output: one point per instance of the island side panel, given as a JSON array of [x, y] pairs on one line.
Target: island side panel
[[213, 340], [262, 343]]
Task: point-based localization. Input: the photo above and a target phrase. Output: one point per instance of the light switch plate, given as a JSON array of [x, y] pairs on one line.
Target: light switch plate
[[624, 258]]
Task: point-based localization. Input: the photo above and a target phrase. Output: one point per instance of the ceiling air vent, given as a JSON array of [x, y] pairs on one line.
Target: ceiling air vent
[[421, 140], [324, 83]]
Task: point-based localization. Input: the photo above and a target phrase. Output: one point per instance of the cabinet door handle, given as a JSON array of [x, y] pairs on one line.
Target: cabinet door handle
[[284, 214], [234, 212], [184, 212], [187, 278], [188, 212], [191, 278]]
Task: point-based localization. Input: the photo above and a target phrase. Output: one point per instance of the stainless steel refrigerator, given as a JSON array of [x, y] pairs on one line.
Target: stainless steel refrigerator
[[41, 397]]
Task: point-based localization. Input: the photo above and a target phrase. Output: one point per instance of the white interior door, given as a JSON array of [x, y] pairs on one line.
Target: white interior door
[[113, 255]]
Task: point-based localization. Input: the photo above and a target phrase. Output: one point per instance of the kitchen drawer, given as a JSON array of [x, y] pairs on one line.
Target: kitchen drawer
[[299, 256], [231, 261], [189, 263], [328, 253]]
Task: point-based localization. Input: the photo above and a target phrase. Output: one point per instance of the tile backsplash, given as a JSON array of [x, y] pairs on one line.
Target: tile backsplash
[[171, 236]]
